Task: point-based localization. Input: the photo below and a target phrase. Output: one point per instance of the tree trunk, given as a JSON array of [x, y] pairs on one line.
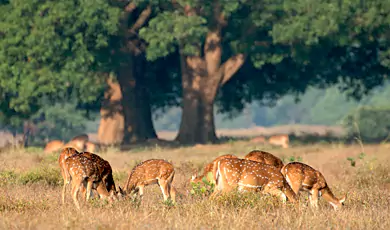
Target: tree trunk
[[138, 124], [112, 121], [126, 115], [199, 91]]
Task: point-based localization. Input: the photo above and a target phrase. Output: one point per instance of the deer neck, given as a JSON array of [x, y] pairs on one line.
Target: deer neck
[[327, 194]]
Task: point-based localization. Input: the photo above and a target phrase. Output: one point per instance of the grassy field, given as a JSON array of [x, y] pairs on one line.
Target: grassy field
[[30, 191]]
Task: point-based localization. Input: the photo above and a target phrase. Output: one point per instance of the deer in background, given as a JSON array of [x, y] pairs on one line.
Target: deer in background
[[84, 172], [153, 171], [302, 177], [247, 175], [209, 169], [279, 140], [264, 157]]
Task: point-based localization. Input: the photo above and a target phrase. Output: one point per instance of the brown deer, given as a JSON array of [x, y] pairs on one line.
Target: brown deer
[[53, 146], [302, 177], [104, 168], [84, 172], [279, 140], [247, 175], [264, 157], [153, 171], [78, 142], [209, 168]]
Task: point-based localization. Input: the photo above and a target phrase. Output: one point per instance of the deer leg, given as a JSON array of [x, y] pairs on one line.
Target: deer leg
[[89, 190], [164, 189], [76, 184], [313, 198], [64, 191]]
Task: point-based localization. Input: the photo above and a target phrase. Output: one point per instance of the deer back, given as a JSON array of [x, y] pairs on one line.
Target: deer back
[[82, 167], [303, 174], [209, 167], [249, 173], [53, 146], [149, 172], [264, 157], [104, 169]]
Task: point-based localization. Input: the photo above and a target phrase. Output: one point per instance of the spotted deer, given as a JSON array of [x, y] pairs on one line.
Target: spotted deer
[[104, 169], [264, 157], [279, 140], [153, 171], [209, 169], [84, 172], [247, 175], [302, 177]]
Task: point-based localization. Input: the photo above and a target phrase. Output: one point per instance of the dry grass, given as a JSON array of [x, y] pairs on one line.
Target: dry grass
[[30, 187]]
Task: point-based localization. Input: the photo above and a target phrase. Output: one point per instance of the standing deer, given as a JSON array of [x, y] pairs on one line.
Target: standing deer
[[153, 171], [251, 175], [302, 177], [280, 140], [104, 170], [209, 168], [264, 157], [84, 172]]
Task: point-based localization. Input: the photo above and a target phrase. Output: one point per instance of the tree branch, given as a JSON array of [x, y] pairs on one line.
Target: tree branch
[[231, 66], [143, 17]]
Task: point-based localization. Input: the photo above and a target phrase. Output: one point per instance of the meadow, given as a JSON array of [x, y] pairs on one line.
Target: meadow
[[30, 191]]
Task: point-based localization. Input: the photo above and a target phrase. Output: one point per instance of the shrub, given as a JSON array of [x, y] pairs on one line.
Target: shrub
[[372, 124]]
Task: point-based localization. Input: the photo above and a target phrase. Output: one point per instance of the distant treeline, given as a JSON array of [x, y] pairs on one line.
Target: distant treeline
[[316, 106]]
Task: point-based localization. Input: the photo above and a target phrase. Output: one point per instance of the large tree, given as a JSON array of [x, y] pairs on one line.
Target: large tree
[[293, 44], [51, 51]]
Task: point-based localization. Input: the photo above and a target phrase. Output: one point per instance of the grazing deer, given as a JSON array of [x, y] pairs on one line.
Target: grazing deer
[[153, 171], [84, 172], [53, 146], [280, 140], [302, 177], [209, 168], [105, 171], [250, 175], [104, 168], [264, 157]]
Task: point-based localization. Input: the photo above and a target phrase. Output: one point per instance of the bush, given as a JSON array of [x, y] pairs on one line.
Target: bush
[[371, 124]]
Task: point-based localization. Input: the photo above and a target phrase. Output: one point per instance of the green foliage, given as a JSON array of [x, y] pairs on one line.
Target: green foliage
[[369, 123], [169, 29], [61, 121], [48, 48], [46, 175], [202, 189]]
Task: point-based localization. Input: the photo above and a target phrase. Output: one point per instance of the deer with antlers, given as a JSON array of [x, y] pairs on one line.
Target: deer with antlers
[[103, 169], [153, 171], [264, 157], [247, 175], [209, 169], [302, 177]]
